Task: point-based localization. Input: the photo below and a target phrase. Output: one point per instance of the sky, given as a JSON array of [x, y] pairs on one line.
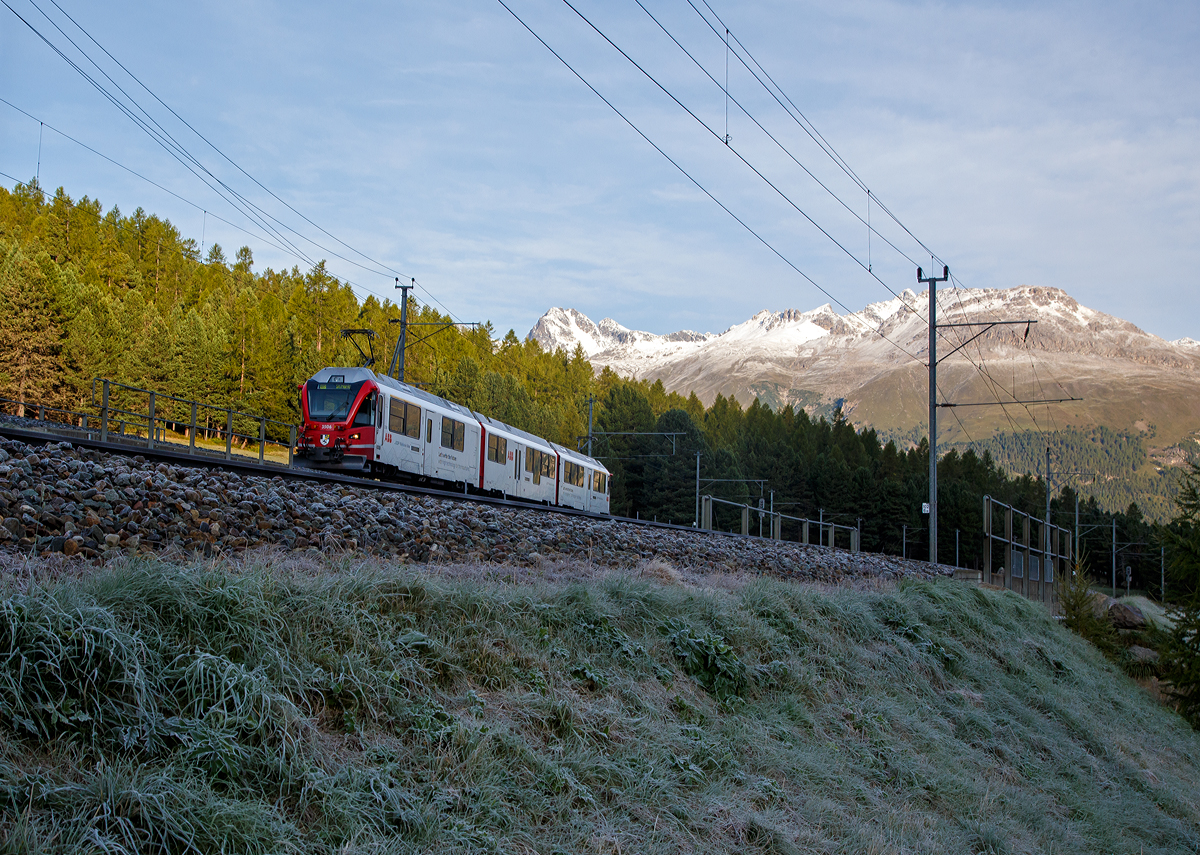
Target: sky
[[1045, 144]]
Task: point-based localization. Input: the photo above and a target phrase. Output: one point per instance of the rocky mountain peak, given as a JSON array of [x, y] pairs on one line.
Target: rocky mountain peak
[[864, 361]]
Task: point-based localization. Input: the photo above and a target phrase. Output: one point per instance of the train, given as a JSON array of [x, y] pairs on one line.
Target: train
[[356, 421]]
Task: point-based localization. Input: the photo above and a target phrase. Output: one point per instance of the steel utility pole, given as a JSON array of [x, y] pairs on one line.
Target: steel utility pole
[[398, 354], [591, 400], [1114, 557], [932, 282], [1046, 527], [697, 489]]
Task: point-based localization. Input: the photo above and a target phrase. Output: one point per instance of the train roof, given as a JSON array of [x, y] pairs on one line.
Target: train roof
[[525, 436], [357, 375], [579, 457]]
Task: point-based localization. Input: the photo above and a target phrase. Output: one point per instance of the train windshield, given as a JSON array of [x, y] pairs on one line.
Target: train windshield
[[331, 402]]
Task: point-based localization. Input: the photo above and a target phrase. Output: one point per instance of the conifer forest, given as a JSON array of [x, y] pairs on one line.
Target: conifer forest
[[89, 293]]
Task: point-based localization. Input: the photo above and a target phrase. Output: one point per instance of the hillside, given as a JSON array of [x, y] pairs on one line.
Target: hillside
[[1138, 388], [819, 359], [314, 705]]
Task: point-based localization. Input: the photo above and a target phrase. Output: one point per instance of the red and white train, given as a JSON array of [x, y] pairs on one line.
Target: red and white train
[[355, 420]]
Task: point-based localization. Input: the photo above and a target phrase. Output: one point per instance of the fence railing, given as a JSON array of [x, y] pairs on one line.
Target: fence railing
[[828, 533], [1030, 552], [231, 425], [128, 414]]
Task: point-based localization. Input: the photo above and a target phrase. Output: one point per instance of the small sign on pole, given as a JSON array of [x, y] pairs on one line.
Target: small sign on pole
[[925, 507]]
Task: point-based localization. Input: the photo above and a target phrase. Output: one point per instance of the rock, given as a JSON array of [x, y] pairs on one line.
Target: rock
[[1143, 655], [1101, 603], [112, 541], [1125, 616]]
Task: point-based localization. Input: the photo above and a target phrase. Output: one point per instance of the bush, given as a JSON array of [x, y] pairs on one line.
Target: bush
[[1075, 597], [1181, 663]]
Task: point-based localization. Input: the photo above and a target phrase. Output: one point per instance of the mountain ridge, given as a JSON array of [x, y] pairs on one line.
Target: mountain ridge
[[872, 362]]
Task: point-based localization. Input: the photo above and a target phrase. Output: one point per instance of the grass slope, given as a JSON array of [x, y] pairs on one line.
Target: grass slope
[[362, 708]]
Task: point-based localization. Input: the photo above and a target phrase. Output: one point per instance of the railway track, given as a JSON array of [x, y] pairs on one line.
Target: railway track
[[135, 499], [29, 432]]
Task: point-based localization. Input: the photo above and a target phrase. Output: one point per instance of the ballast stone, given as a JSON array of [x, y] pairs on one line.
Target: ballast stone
[[101, 504]]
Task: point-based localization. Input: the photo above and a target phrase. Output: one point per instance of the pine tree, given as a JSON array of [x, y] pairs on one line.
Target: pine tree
[[30, 331]]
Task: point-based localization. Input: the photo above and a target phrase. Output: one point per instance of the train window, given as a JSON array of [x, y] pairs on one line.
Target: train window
[[599, 482], [497, 450], [548, 461], [404, 418], [533, 463], [453, 434], [365, 417], [429, 430], [574, 474], [529, 453], [331, 402]]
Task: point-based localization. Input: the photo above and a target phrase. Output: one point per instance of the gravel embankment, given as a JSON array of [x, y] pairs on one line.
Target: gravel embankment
[[80, 502]]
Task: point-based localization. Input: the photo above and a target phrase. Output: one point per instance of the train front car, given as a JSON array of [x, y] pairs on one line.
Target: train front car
[[338, 411]]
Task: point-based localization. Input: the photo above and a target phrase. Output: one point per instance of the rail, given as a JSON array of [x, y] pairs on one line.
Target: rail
[[827, 532]]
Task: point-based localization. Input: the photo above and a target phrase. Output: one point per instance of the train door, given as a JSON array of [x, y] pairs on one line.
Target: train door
[[429, 445], [380, 433]]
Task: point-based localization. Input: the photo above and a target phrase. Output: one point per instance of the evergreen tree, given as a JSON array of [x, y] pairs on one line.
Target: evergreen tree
[[31, 331]]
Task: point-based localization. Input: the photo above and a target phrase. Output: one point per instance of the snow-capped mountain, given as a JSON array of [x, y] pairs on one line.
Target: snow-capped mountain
[[563, 329], [873, 362]]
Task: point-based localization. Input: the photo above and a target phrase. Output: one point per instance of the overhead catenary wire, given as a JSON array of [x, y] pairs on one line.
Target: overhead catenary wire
[[731, 148], [155, 130], [814, 134], [780, 96], [156, 133], [775, 140], [798, 116], [691, 178], [222, 153], [265, 239], [360, 290], [262, 218]]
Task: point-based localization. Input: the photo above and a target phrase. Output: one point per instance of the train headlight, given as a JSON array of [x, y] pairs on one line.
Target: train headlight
[[355, 435]]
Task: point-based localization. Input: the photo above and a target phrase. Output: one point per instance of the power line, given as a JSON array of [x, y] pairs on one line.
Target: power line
[[156, 131], [774, 139], [798, 116], [731, 148], [160, 136], [832, 153], [359, 289], [689, 176], [220, 152]]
